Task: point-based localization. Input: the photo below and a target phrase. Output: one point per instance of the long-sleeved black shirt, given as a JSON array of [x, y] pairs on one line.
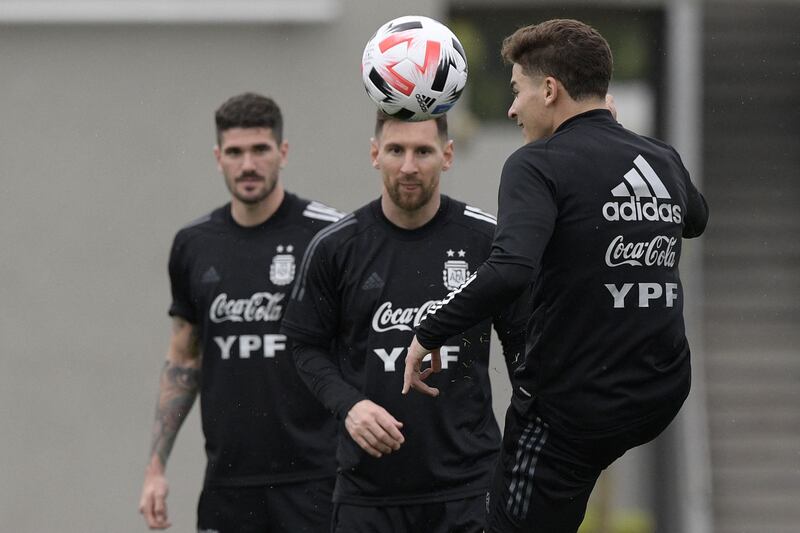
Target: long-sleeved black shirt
[[593, 218]]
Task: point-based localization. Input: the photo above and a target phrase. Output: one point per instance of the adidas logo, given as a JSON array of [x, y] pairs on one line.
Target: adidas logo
[[374, 281], [210, 276], [643, 188], [425, 102]]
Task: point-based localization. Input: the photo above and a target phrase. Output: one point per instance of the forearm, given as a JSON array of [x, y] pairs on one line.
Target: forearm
[[493, 286], [324, 379], [178, 387]]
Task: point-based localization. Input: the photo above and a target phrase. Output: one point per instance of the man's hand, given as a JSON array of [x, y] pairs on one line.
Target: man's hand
[[413, 378], [373, 428], [153, 503]]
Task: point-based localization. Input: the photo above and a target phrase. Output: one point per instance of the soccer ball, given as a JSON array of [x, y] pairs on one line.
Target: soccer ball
[[414, 68]]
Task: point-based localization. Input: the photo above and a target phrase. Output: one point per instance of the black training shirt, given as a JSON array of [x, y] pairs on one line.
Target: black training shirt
[[364, 284], [260, 423], [593, 217]]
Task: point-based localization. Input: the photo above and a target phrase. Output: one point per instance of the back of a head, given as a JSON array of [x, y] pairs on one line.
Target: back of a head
[[249, 110], [569, 50]]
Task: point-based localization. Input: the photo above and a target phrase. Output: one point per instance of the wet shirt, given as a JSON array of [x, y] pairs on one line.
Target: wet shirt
[[364, 285], [261, 424]]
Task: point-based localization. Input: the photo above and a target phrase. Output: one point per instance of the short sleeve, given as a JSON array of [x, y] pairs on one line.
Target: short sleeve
[[182, 303]]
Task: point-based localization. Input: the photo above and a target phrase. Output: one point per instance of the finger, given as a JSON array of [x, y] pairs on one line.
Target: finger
[[410, 373], [436, 361], [146, 508], [379, 440], [390, 431], [413, 363], [160, 511], [367, 447], [423, 387]]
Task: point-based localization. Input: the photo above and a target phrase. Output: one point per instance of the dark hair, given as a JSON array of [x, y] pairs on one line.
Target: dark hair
[[382, 118], [572, 52], [249, 110]]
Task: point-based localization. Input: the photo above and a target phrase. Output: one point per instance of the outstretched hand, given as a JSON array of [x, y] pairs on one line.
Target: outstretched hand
[[414, 377]]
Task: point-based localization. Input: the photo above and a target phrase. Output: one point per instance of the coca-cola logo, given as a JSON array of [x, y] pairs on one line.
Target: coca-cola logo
[[260, 307], [659, 251], [403, 319]]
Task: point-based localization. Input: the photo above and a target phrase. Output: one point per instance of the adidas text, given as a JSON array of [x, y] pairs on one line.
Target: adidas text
[[636, 210]]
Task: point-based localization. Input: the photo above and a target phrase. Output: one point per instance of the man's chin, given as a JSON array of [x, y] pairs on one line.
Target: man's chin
[[252, 199]]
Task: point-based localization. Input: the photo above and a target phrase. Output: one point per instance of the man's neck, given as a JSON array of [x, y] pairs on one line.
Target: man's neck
[[409, 219], [571, 108], [254, 214]]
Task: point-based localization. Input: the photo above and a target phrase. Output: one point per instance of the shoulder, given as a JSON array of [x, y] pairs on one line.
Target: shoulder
[[318, 211], [472, 218], [200, 226], [311, 214], [346, 229]]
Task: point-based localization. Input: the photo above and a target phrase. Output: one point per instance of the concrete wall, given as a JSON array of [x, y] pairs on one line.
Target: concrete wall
[[106, 151]]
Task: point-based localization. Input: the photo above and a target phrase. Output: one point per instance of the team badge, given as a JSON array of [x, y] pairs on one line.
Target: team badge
[[281, 271], [456, 271]]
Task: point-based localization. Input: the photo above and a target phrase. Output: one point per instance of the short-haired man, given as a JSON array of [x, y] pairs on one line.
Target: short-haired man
[[269, 442], [593, 216], [404, 466]]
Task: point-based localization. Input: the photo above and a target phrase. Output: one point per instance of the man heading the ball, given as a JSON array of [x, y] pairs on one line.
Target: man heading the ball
[[404, 466], [593, 216]]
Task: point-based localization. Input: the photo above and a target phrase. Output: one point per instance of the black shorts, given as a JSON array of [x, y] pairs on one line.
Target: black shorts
[[455, 516], [291, 508], [543, 479]]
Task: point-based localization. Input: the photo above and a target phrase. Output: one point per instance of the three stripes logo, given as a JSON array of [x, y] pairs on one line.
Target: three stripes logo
[[643, 189], [424, 102]]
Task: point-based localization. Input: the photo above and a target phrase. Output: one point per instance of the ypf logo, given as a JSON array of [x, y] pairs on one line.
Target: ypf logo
[[643, 189]]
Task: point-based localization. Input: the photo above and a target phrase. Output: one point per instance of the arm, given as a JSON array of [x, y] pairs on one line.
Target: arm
[[369, 425], [179, 383], [696, 212], [511, 328], [527, 211], [484, 294]]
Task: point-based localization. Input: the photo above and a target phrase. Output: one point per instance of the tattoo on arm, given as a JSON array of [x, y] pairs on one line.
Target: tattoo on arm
[[178, 389]]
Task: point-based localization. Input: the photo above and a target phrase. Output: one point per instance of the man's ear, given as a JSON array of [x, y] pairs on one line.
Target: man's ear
[[551, 90], [373, 151]]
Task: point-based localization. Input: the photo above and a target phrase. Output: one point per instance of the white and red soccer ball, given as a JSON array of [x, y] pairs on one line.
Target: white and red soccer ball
[[414, 68]]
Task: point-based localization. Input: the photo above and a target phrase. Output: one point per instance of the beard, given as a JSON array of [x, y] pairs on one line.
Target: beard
[[269, 184], [410, 201]]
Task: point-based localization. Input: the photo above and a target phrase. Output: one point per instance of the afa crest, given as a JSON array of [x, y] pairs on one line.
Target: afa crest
[[456, 271], [282, 269]]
